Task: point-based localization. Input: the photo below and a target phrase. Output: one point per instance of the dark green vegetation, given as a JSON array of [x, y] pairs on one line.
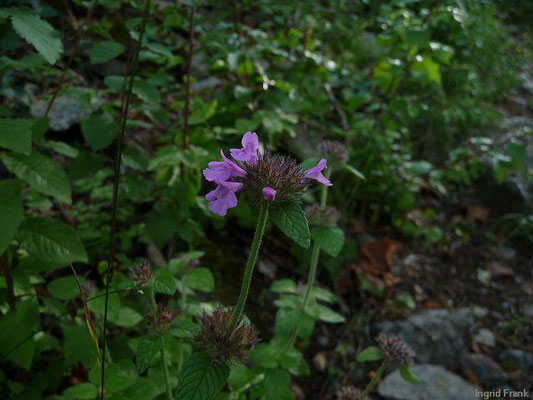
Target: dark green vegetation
[[423, 95]]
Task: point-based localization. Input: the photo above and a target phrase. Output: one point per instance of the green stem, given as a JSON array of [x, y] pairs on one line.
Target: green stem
[[252, 257], [374, 379]]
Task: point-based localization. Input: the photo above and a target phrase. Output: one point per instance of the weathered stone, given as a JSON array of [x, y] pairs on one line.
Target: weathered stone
[[66, 112], [484, 370]]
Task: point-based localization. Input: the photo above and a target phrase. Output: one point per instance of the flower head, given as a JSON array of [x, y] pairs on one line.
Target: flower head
[[250, 145], [316, 173], [161, 319], [223, 197], [222, 345], [334, 151], [395, 349], [141, 274]]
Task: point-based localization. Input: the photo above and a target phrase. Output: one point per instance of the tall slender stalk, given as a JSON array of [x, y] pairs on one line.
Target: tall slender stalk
[[120, 141], [252, 257], [374, 379], [185, 138], [313, 264]]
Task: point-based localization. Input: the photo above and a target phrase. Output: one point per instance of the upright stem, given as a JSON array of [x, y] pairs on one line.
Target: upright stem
[[185, 138], [120, 140], [252, 257], [374, 379]]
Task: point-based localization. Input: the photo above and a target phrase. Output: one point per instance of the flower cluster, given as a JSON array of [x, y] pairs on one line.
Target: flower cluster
[[395, 349], [217, 340], [271, 177], [334, 151], [349, 393], [141, 274], [159, 321]]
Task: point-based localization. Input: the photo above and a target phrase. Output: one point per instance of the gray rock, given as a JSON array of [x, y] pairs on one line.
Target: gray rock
[[485, 370], [66, 112], [514, 358], [435, 335], [435, 384], [485, 337]]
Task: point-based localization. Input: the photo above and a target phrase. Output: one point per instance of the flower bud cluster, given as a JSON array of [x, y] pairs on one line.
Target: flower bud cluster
[[395, 349], [141, 274]]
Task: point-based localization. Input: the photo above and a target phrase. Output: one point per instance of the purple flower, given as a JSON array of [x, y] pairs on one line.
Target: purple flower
[[269, 194], [223, 197], [316, 173], [222, 170], [248, 153]]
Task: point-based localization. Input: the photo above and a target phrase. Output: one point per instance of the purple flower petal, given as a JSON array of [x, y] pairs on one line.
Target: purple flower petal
[[316, 173], [223, 197], [250, 145], [269, 193], [222, 170]]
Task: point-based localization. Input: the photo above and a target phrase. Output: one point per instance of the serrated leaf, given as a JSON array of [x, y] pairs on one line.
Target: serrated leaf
[[183, 328], [407, 375], [284, 286], [105, 51], [147, 349], [330, 239], [200, 279], [99, 131], [372, 353], [325, 314], [164, 282], [62, 148], [38, 33], [15, 134], [10, 212], [65, 288], [82, 391], [41, 173], [52, 241], [290, 218], [200, 378]]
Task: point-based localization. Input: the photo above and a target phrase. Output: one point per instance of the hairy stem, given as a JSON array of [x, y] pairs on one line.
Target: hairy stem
[[374, 379], [118, 157], [252, 257]]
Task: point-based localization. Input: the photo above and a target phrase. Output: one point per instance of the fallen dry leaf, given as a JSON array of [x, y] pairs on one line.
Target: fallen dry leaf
[[477, 213], [497, 269]]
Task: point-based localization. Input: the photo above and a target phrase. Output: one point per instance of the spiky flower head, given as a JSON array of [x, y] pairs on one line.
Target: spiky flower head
[[334, 151], [160, 320], [395, 349], [222, 345], [349, 393], [141, 274], [327, 216]]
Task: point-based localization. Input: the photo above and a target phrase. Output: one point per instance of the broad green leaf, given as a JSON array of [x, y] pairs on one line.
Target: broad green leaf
[[183, 328], [325, 314], [52, 241], [78, 345], [127, 317], [284, 286], [277, 385], [105, 51], [64, 288], [290, 218], [62, 148], [118, 376], [200, 279], [164, 282], [99, 131], [41, 173], [200, 378], [148, 347], [15, 134], [81, 391], [372, 353], [146, 92], [264, 355], [407, 375], [428, 67], [10, 212], [37, 32], [330, 239]]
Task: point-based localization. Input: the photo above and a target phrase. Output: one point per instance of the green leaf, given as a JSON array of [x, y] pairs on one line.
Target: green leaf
[[200, 378], [10, 212], [78, 345], [354, 171], [62, 148], [290, 218], [330, 239], [164, 282], [41, 173], [183, 328], [407, 375], [38, 33], [15, 134], [146, 92], [82, 391], [147, 349], [372, 353], [64, 288], [127, 317], [284, 286], [99, 131], [200, 279], [52, 241], [325, 314], [264, 355], [105, 51]]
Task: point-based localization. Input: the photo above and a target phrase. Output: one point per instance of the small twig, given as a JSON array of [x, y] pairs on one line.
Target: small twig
[[336, 105]]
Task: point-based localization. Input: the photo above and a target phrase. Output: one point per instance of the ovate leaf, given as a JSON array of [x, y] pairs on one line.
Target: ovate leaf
[[37, 32], [81, 391], [99, 131], [406, 374], [290, 218], [52, 241], [199, 279], [15, 134], [200, 378], [105, 51], [372, 353], [147, 349], [41, 173], [164, 282], [64, 288], [10, 212], [330, 239]]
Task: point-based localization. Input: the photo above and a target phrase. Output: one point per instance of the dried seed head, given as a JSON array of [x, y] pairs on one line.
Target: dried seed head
[[395, 349], [349, 393], [222, 345], [141, 274], [277, 172], [160, 321], [327, 216], [334, 151]]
